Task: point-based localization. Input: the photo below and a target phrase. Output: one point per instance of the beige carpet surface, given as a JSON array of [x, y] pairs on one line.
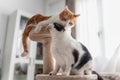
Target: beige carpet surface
[[59, 77]]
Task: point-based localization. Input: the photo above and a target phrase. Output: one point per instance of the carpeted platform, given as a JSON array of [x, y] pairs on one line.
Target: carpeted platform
[[59, 77]]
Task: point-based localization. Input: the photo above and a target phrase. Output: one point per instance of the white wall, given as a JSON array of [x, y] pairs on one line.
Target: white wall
[[54, 6], [33, 6], [9, 6]]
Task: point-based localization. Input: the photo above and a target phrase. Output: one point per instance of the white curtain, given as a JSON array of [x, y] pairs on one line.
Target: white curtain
[[89, 32], [94, 30], [111, 14], [113, 65]]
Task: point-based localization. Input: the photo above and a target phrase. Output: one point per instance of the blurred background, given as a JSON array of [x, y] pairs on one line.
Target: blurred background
[[98, 28]]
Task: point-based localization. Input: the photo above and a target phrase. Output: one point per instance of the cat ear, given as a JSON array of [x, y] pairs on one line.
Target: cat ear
[[66, 8], [76, 15]]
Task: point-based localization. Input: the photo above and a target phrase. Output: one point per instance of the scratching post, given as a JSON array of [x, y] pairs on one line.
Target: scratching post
[[44, 37], [48, 63], [47, 57], [72, 77]]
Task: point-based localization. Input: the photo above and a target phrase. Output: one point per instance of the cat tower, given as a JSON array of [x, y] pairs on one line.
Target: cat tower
[[44, 37], [59, 77]]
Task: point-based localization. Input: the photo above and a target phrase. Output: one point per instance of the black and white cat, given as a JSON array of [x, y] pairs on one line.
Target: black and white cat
[[71, 56]]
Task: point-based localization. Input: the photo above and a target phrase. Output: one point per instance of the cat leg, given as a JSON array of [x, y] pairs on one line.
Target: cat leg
[[88, 71], [54, 72], [87, 68], [76, 72], [66, 70], [44, 24], [40, 25]]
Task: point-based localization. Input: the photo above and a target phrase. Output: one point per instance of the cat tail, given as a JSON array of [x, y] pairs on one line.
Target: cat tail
[[25, 40], [99, 77]]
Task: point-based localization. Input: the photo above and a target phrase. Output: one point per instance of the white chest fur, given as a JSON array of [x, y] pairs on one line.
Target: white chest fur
[[62, 46], [67, 51]]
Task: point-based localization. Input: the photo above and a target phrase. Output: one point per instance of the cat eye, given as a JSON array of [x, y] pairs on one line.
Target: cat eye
[[70, 23], [64, 19], [76, 15]]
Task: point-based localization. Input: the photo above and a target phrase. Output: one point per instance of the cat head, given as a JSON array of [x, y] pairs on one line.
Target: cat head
[[57, 28], [67, 15]]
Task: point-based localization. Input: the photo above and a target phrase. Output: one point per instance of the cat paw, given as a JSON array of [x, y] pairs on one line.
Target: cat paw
[[37, 30], [65, 74], [52, 73], [24, 54], [49, 26]]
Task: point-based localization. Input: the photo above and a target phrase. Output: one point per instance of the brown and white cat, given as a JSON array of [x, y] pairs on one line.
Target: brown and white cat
[[38, 21], [61, 18]]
